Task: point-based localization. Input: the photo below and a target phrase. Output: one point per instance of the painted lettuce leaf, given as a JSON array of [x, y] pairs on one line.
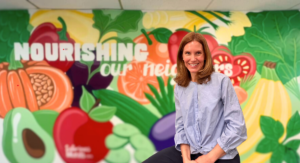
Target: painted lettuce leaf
[[274, 36]]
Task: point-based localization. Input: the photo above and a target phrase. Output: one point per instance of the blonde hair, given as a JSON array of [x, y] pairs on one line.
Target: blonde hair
[[183, 76]]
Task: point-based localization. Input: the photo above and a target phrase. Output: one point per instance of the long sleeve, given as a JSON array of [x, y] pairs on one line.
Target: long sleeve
[[180, 137], [234, 131]]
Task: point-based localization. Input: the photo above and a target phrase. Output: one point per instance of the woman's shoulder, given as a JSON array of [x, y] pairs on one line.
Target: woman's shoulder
[[177, 89], [217, 74], [219, 77]]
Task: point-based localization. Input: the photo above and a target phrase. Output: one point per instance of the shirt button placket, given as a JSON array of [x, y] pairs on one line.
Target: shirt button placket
[[195, 105]]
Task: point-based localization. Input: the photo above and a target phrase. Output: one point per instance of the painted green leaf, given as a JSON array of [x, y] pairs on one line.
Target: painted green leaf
[[256, 39], [101, 20], [127, 21], [291, 156], [154, 103], [103, 113], [284, 71], [293, 126], [226, 13], [292, 48], [183, 29], [276, 27], [170, 89], [257, 19], [163, 90], [13, 28], [294, 17], [271, 129], [14, 64], [266, 145], [87, 100], [293, 144], [298, 68], [278, 155], [162, 35], [237, 45]]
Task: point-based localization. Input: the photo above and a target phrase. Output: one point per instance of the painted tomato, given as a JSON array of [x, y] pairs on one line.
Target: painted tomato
[[235, 67]]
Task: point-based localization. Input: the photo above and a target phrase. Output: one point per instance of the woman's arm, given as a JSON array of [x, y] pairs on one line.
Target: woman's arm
[[234, 131], [181, 142], [185, 152]]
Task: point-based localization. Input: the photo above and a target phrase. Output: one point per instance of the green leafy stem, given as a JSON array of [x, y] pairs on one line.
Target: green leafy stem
[[91, 73], [163, 101], [63, 33], [273, 130], [124, 22]]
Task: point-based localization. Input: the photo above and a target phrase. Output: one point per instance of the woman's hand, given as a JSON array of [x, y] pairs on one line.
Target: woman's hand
[[190, 161], [204, 159]]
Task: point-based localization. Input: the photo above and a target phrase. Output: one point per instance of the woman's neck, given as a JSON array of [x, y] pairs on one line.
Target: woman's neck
[[194, 77]]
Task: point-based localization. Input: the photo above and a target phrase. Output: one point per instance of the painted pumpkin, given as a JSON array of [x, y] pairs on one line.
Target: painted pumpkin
[[34, 85]]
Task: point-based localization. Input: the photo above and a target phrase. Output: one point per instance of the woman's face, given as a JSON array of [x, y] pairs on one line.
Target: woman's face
[[193, 56]]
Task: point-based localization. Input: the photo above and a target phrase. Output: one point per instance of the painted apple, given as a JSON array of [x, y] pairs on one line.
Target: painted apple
[[80, 133]]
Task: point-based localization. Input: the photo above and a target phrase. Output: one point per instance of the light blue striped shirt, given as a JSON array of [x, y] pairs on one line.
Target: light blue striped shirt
[[207, 114]]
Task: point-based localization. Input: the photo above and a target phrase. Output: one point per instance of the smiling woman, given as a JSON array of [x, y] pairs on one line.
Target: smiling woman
[[209, 120], [193, 58]]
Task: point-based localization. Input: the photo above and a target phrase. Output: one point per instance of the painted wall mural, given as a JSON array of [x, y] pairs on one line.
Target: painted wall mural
[[97, 85]]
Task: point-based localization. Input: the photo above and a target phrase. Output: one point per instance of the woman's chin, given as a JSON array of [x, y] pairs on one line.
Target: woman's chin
[[194, 70]]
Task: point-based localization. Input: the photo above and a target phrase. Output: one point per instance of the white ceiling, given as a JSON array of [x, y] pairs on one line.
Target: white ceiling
[[225, 5]]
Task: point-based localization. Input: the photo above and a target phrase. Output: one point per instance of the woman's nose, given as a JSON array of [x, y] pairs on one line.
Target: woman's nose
[[193, 57]]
